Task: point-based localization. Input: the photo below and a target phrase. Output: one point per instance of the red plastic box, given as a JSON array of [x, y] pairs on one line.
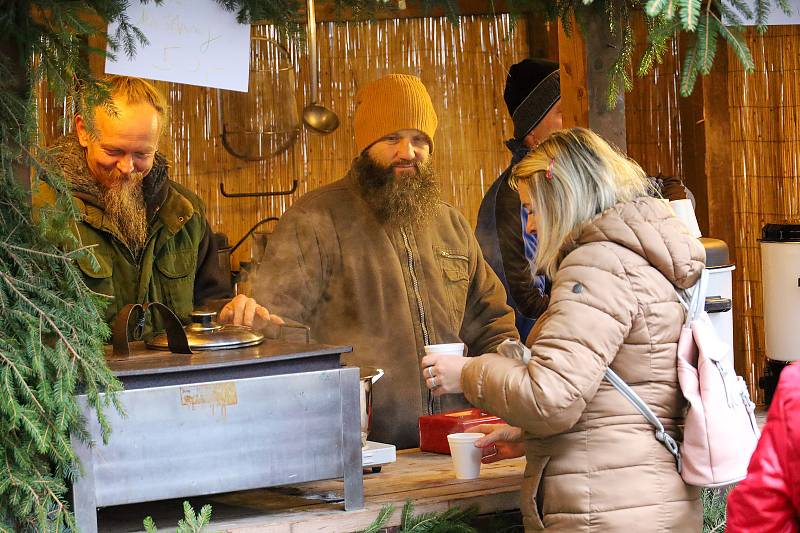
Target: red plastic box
[[434, 429]]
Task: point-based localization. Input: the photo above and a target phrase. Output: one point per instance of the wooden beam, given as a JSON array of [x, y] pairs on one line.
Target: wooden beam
[[585, 63], [574, 84], [693, 147], [718, 169], [402, 9], [17, 82], [542, 37]]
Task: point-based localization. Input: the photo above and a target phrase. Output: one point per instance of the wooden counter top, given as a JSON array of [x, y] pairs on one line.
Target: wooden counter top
[[425, 478]]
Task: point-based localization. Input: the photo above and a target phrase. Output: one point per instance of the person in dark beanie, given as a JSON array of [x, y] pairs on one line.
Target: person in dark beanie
[[533, 99]]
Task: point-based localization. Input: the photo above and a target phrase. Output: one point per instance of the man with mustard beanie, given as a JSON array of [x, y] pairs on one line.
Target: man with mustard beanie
[[377, 261]]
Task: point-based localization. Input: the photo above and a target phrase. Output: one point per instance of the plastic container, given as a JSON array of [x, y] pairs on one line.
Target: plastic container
[[434, 429]]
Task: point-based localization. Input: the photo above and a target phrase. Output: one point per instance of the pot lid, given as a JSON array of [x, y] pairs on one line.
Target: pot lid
[[205, 334]]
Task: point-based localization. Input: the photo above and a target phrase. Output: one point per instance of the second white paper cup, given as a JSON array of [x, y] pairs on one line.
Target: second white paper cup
[[466, 456], [450, 348]]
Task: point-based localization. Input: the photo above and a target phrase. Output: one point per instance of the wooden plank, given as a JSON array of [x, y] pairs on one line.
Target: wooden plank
[[693, 147], [542, 37], [426, 479], [574, 84], [403, 9], [720, 187]]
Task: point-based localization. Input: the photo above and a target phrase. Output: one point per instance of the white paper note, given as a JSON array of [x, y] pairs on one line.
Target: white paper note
[[191, 41]]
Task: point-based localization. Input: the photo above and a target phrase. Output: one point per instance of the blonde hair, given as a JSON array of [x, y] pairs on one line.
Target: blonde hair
[[573, 176], [133, 91], [137, 91]]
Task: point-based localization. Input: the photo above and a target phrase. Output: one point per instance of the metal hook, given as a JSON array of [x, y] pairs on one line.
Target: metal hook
[[256, 194], [250, 232]]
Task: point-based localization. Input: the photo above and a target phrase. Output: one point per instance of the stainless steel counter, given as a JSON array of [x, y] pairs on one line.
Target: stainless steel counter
[[212, 422]]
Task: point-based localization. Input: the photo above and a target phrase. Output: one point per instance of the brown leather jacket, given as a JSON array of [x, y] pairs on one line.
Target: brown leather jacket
[[386, 291]]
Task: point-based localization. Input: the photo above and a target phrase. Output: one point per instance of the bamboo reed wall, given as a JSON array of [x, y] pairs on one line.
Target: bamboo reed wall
[[464, 67], [652, 117], [765, 148]]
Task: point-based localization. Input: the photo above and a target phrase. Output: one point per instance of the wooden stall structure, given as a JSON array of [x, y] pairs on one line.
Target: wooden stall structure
[[735, 141]]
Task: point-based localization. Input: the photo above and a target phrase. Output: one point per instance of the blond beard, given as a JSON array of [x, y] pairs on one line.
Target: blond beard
[[125, 206]]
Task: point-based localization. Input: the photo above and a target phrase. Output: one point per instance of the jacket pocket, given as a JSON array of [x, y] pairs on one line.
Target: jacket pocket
[[455, 276], [531, 502], [98, 276], [174, 278]]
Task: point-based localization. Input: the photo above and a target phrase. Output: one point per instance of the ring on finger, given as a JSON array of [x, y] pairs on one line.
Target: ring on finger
[[430, 372], [433, 382]]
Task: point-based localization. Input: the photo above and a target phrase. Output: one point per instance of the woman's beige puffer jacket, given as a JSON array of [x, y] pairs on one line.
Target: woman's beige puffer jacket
[[592, 458]]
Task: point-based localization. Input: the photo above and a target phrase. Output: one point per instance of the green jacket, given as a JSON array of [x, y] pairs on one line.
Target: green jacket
[[386, 291], [178, 265]]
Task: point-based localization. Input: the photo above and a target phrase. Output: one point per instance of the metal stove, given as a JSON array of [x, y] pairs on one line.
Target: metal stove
[[220, 421]]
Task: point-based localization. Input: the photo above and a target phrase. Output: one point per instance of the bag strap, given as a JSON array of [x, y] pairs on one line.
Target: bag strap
[[697, 301], [661, 435]]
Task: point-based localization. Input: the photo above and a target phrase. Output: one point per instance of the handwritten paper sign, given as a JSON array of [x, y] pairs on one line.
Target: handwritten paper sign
[[191, 41], [776, 15]]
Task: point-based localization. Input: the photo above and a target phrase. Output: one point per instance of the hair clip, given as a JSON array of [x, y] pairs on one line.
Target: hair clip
[[549, 173]]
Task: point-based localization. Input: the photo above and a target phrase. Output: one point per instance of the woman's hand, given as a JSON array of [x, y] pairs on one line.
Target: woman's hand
[[506, 440], [442, 373], [245, 311]]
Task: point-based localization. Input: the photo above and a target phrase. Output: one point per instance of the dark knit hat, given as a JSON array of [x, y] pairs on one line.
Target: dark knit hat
[[532, 88]]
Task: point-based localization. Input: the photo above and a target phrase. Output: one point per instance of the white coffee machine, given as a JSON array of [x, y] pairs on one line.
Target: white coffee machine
[[780, 279]]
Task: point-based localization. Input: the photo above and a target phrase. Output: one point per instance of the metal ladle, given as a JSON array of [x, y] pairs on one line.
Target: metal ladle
[[317, 118]]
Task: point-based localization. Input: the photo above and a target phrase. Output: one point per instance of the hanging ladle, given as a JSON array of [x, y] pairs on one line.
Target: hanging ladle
[[317, 118]]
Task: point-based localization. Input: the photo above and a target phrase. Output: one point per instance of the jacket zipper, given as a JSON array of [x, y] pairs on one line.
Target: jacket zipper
[[421, 308], [448, 255]]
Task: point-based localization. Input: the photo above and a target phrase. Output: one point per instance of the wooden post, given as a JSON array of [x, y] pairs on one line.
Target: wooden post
[[542, 37], [693, 149], [585, 63], [19, 84], [708, 173]]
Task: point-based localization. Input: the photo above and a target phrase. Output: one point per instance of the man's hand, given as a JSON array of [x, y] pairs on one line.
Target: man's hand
[[442, 373], [503, 442], [245, 311]]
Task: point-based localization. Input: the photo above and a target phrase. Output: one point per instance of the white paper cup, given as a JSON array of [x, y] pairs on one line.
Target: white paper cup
[[451, 348], [466, 456]]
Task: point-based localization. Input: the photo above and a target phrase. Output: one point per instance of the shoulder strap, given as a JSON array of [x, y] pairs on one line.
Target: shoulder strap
[[661, 435], [696, 303]]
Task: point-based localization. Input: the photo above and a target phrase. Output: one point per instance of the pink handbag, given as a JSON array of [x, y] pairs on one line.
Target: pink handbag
[[720, 431]]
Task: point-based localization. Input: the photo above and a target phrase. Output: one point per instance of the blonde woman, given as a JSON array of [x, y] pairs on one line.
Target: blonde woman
[[615, 256]]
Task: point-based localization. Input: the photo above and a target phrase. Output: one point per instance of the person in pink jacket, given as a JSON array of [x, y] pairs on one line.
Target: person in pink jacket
[[768, 499]]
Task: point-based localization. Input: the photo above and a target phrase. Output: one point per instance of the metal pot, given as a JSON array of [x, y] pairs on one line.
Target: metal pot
[[205, 334], [368, 377]]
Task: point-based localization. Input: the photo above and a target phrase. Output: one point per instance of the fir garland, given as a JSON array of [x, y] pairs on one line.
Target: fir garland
[[702, 21], [452, 520]]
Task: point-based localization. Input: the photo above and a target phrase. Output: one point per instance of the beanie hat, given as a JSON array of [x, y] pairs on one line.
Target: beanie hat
[[392, 103], [532, 89]]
